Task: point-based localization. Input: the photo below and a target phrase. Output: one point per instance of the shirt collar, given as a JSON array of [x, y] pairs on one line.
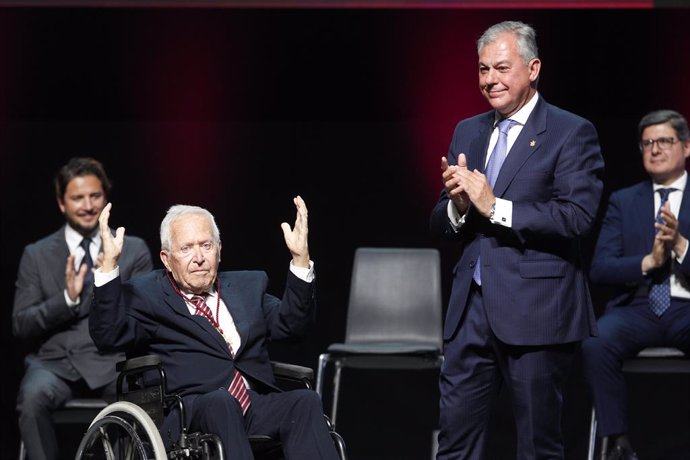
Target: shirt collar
[[212, 293], [521, 115], [678, 184], [73, 238]]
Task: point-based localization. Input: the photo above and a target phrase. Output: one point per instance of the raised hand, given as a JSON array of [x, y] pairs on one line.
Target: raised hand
[[112, 245], [296, 238]]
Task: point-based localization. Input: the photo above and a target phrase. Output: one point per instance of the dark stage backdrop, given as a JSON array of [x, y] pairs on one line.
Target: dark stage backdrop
[[238, 110]]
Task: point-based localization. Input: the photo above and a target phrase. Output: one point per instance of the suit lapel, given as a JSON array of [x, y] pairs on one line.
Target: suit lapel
[[237, 309], [480, 144], [199, 326], [643, 205], [684, 214], [57, 255], [526, 145]]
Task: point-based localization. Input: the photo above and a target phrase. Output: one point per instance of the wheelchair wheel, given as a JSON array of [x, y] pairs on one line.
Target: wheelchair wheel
[[122, 431]]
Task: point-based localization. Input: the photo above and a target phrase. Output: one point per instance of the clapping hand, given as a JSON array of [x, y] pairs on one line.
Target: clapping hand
[[74, 279]]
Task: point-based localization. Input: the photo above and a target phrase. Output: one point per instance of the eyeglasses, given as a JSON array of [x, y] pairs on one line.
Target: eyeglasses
[[664, 143]]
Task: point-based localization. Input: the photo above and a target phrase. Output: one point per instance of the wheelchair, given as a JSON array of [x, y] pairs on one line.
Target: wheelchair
[[129, 428]]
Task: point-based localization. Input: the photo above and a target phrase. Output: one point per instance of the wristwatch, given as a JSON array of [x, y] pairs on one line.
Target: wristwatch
[[492, 211]]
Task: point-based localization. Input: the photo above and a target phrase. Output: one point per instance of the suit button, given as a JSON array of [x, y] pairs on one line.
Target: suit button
[[472, 264]]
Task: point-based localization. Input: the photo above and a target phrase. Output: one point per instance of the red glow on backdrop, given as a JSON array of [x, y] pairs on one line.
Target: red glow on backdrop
[[342, 4], [187, 78], [441, 88]]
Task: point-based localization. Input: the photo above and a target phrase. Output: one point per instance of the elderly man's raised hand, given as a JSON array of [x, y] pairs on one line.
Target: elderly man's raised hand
[[112, 245], [296, 238]]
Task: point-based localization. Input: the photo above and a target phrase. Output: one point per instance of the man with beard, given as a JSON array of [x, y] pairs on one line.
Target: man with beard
[[51, 307]]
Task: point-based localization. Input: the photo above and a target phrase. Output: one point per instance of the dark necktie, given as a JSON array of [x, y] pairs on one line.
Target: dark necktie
[[87, 260], [498, 156], [660, 289], [237, 389]]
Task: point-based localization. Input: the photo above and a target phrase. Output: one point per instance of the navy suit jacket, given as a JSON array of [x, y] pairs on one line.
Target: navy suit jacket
[[146, 315], [626, 236], [534, 283]]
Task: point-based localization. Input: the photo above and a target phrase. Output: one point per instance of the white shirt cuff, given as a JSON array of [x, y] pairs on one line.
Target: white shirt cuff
[[100, 278], [69, 301], [456, 220], [503, 214], [305, 274]]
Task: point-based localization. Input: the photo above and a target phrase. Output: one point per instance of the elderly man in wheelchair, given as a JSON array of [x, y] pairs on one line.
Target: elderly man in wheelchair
[[208, 331]]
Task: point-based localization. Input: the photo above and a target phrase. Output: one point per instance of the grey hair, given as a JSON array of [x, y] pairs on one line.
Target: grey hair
[[659, 117], [525, 34], [180, 210]]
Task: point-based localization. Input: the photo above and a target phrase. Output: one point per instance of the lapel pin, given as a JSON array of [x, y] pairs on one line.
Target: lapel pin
[[532, 143]]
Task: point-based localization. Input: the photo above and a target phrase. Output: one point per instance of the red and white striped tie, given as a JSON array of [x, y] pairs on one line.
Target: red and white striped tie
[[237, 389]]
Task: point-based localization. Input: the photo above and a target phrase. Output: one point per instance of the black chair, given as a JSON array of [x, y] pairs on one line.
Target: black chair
[[653, 360], [78, 411], [128, 428], [393, 317]]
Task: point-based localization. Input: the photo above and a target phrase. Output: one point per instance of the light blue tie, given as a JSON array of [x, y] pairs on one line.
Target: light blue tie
[[498, 156], [660, 289]]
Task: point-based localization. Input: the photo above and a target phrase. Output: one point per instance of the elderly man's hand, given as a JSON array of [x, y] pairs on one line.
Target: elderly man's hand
[[112, 246], [296, 238]]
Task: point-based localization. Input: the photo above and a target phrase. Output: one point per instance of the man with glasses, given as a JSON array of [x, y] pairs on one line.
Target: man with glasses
[[642, 252]]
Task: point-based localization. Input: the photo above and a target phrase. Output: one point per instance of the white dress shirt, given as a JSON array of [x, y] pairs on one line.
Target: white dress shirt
[[503, 213], [679, 285], [73, 239]]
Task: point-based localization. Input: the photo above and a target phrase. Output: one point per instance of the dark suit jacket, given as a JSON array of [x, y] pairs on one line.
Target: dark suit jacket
[[41, 313], [146, 315], [533, 280], [626, 236]]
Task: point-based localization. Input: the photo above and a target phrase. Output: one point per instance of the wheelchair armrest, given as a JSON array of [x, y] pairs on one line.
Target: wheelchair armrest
[[293, 373], [134, 386], [138, 362]]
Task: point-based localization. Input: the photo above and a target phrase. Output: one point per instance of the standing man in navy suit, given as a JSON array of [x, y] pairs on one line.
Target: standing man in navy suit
[[211, 329], [520, 303], [639, 255]]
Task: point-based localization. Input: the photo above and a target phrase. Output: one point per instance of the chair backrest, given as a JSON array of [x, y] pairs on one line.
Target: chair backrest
[[395, 296]]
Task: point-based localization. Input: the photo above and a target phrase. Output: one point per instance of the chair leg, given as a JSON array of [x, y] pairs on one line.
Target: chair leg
[[339, 445], [22, 450], [323, 362], [592, 435], [604, 447], [593, 439], [336, 391]]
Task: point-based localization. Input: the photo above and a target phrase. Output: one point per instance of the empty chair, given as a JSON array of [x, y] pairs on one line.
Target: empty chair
[[393, 317]]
